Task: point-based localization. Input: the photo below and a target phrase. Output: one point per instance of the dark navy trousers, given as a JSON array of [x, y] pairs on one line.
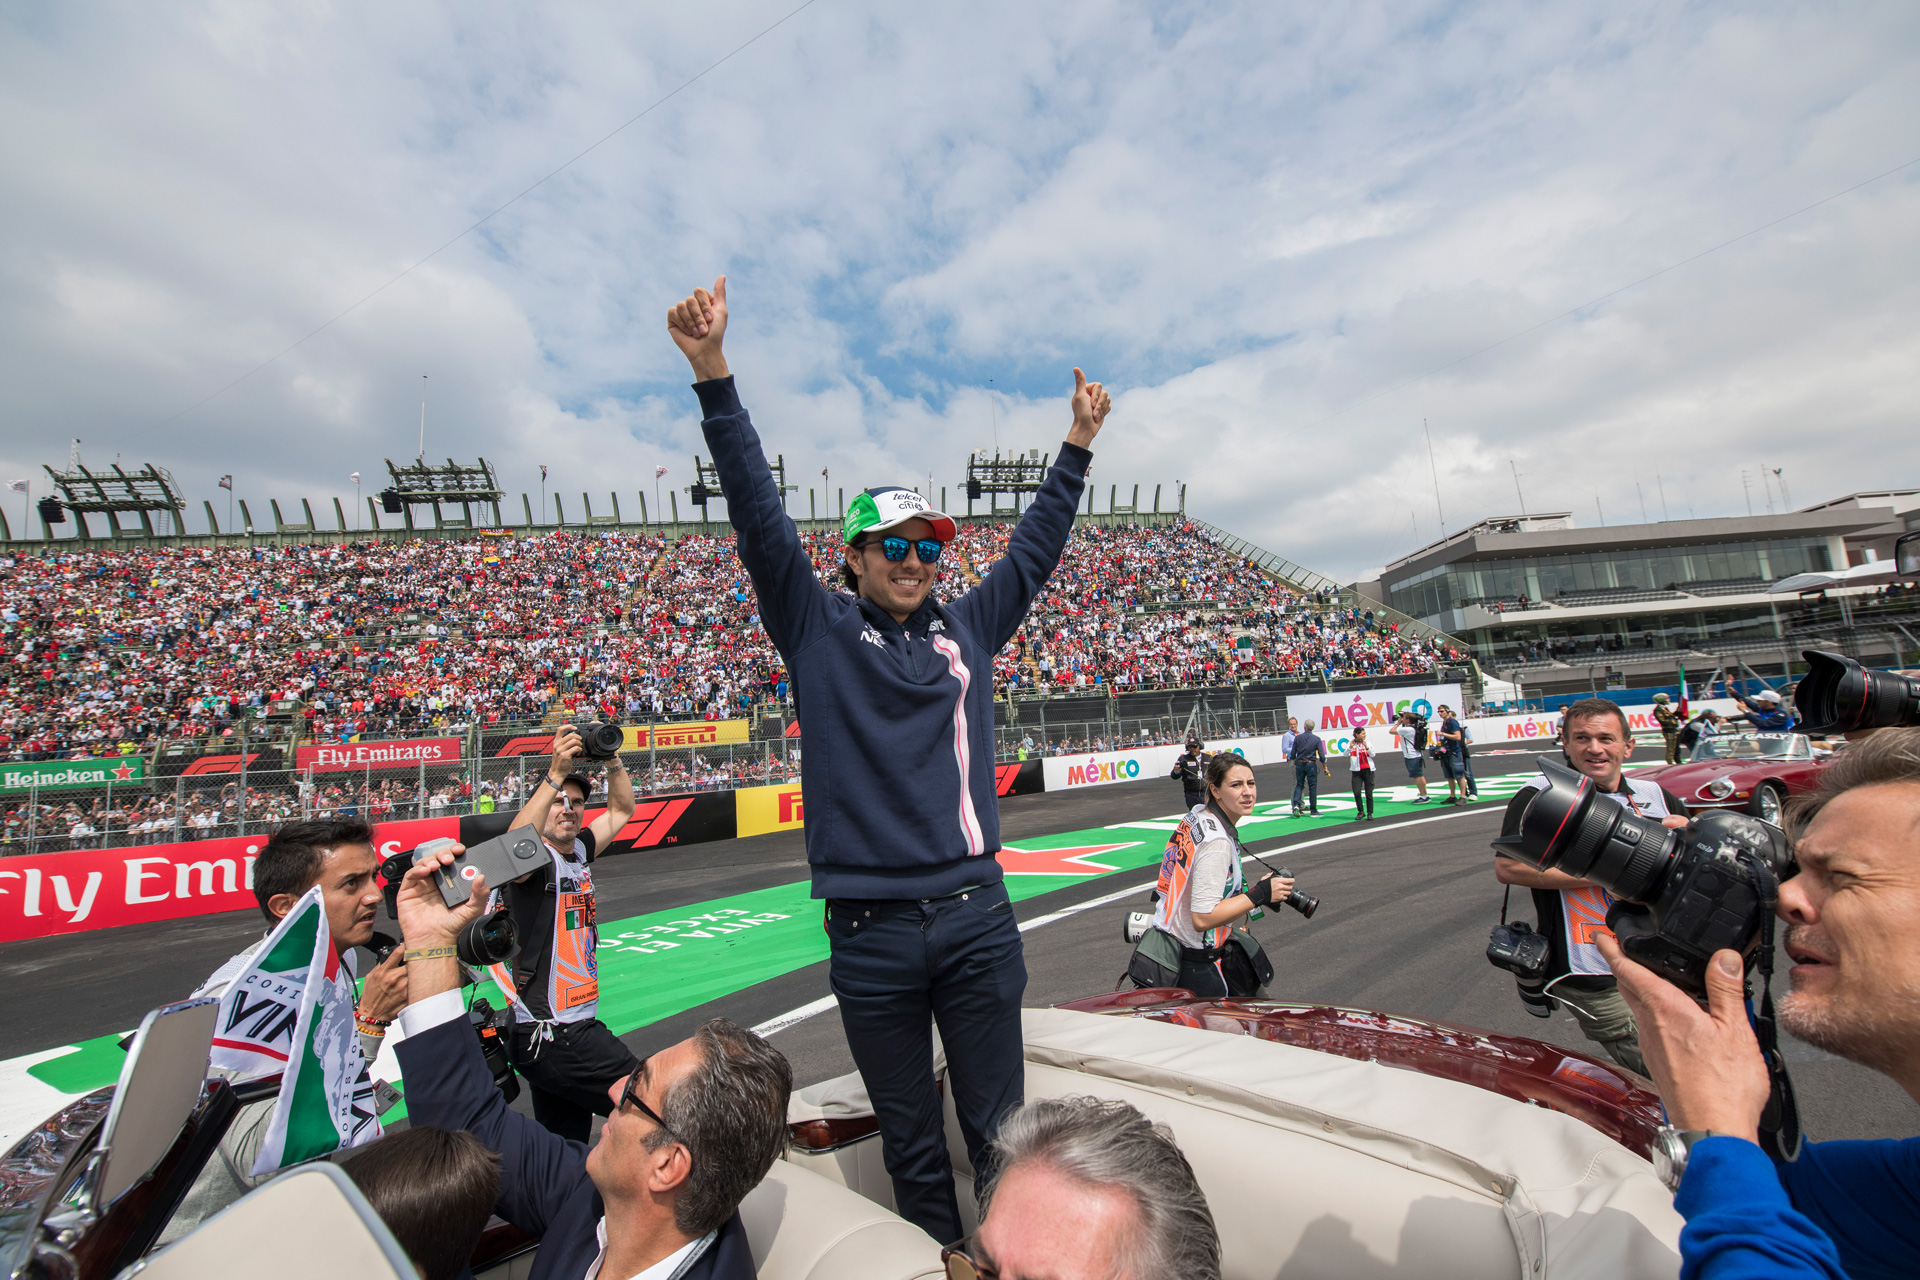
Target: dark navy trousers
[[900, 967], [1306, 778]]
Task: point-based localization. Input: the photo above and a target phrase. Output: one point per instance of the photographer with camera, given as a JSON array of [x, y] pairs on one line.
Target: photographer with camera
[[1852, 913], [690, 1130], [1572, 912], [1202, 899], [1191, 769], [566, 1053]]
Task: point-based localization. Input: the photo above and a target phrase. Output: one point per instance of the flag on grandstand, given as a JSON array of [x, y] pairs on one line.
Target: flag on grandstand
[[18, 486], [291, 1011], [226, 482], [355, 477], [659, 471], [543, 477]]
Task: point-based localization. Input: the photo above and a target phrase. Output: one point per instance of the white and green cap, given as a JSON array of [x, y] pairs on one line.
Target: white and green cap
[[878, 510]]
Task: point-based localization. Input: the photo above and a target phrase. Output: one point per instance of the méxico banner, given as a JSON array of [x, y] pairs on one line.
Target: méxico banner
[[291, 1011], [1336, 715]]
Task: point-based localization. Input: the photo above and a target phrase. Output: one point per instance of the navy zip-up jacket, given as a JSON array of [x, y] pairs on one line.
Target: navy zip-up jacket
[[897, 760]]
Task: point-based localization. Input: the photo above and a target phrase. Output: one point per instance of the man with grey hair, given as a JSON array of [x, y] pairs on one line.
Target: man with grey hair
[[1089, 1189]]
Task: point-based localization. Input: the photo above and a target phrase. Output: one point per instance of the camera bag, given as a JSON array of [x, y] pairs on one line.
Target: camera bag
[[1244, 964], [1156, 960]]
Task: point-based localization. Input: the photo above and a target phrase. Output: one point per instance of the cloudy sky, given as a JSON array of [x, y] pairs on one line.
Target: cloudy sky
[[1284, 235]]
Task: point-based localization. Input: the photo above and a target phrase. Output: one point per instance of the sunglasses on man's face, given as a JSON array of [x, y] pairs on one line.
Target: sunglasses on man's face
[[895, 549], [962, 1267], [631, 1094]]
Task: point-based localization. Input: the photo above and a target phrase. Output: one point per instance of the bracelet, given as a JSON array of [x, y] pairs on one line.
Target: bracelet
[[429, 953], [548, 779], [367, 1020]]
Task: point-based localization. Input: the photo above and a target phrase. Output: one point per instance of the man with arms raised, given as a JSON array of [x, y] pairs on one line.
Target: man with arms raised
[[566, 1053], [894, 688], [1843, 1209], [689, 1132], [1572, 912]]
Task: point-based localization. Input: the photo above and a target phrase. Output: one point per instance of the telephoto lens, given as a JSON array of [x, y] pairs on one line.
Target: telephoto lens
[[1306, 904], [1839, 695], [488, 940], [1683, 893]]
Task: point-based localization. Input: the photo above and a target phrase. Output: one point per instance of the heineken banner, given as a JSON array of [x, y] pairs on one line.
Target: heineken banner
[[68, 775], [291, 1011]]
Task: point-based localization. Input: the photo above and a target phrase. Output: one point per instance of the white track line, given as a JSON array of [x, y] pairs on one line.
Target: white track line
[[793, 1017]]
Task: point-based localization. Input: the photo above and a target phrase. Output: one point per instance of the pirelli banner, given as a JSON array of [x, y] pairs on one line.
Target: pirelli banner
[[781, 808], [674, 736]]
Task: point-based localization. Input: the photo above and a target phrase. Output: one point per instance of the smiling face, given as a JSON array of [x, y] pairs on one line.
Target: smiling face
[[1598, 746], [898, 586], [1852, 913]]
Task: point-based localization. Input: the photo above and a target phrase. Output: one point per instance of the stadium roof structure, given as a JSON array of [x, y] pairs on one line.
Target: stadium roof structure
[[437, 486], [144, 493]]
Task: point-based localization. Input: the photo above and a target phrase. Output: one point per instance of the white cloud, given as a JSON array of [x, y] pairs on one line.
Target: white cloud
[[1260, 226]]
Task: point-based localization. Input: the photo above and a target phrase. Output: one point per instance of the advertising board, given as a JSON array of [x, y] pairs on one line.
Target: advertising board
[[50, 893], [674, 736], [763, 809], [403, 753], [1336, 715], [1106, 768], [67, 775]]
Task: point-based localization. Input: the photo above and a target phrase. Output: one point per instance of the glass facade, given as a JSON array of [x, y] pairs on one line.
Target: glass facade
[[1545, 578]]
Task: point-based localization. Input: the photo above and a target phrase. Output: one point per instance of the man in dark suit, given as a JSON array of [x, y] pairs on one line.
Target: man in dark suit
[[693, 1130]]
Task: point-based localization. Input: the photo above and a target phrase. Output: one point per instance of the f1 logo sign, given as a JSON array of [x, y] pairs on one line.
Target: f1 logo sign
[[652, 820], [1004, 776]]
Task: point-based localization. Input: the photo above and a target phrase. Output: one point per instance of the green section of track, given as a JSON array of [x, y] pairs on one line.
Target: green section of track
[[657, 965]]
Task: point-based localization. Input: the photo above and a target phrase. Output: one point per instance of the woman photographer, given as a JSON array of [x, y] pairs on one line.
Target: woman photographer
[[1203, 896]]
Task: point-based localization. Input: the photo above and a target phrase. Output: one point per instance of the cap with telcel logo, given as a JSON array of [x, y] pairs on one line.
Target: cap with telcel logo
[[888, 507]]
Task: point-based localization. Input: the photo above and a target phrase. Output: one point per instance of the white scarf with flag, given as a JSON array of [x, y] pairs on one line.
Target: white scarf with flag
[[291, 1011]]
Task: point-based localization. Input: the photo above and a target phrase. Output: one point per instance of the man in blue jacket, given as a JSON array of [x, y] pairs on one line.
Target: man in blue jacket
[[895, 689], [1843, 1209], [692, 1130]]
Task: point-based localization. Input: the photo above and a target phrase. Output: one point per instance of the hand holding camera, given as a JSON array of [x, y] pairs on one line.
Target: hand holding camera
[[1726, 1086], [1269, 889]]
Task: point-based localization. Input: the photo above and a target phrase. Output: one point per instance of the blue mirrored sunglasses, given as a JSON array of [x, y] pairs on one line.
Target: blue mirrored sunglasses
[[928, 549]]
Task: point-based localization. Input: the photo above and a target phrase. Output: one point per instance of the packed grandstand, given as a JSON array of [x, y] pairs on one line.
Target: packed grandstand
[[125, 651]]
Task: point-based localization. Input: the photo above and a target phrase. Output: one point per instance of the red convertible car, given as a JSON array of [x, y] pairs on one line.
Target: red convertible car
[[1753, 772]]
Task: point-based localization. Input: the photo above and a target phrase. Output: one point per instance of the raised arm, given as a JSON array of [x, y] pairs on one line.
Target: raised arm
[[447, 1082], [793, 604], [993, 609]]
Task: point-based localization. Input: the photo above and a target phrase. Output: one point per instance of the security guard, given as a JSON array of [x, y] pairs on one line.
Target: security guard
[[1191, 769], [1669, 721]]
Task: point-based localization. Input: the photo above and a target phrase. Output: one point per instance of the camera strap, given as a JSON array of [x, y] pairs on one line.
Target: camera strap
[[1780, 1120], [1505, 898]]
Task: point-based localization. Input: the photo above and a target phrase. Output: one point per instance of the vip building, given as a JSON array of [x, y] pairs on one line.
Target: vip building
[[1564, 608]]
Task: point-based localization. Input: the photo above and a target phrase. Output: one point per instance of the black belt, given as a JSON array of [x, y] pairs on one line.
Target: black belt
[[1200, 955]]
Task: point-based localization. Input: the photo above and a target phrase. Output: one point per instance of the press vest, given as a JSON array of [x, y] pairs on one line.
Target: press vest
[[1583, 912], [1175, 884], [573, 970]]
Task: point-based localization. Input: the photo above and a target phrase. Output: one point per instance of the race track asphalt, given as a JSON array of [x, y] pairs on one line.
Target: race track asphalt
[[1406, 902]]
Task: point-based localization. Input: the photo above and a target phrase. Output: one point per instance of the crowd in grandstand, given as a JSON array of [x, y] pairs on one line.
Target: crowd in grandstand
[[111, 651]]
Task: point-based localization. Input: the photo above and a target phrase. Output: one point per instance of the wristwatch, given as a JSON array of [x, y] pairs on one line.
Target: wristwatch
[[1671, 1147]]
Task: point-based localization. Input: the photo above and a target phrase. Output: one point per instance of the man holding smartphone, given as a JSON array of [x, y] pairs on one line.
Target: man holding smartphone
[[566, 1054]]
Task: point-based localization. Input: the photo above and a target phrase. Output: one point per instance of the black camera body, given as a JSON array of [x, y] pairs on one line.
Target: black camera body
[[1520, 950], [491, 1028], [1682, 894], [487, 940], [599, 740]]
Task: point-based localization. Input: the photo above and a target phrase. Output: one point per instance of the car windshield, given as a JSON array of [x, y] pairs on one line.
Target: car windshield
[[1754, 746]]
